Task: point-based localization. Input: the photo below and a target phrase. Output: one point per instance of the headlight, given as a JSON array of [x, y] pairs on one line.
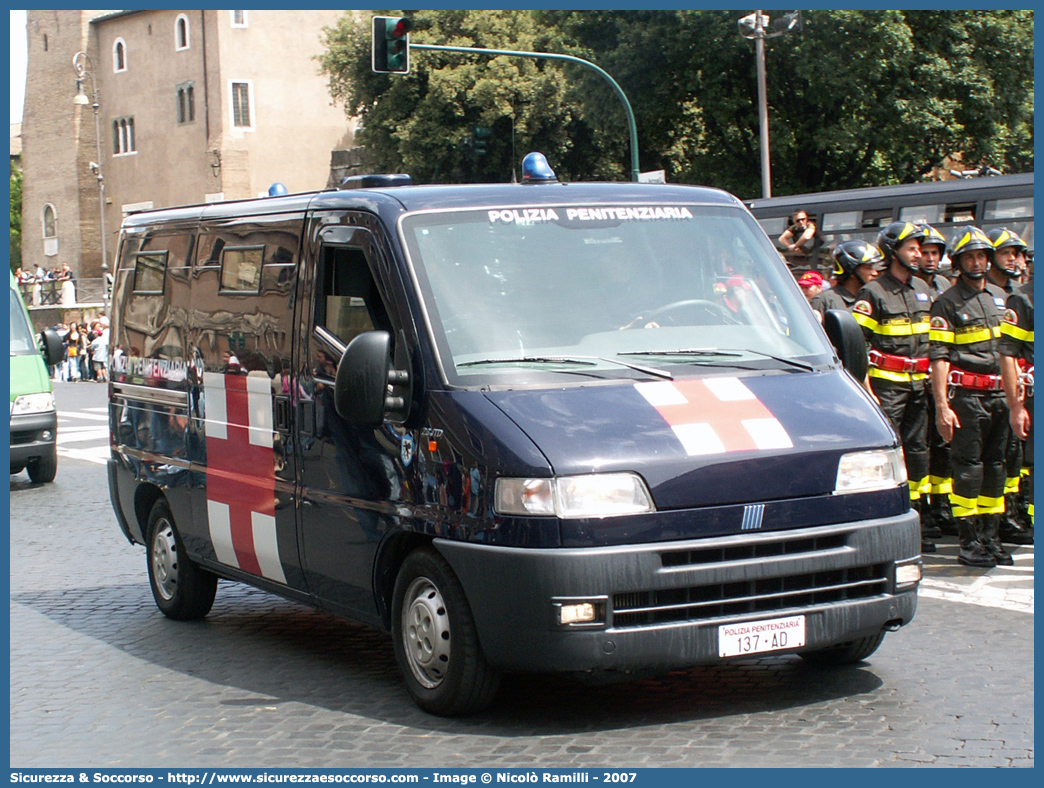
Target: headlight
[[595, 495], [870, 470], [32, 403]]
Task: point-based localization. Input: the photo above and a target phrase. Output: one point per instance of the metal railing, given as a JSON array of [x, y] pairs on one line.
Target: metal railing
[[63, 292]]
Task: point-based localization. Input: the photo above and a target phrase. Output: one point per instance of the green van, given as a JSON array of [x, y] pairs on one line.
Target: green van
[[34, 421]]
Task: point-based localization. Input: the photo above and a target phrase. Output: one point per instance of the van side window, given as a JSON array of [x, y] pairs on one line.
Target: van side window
[[149, 270], [348, 303], [241, 268]]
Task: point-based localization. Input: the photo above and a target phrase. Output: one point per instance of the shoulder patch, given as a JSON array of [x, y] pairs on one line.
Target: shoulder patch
[[1011, 316], [863, 307], [939, 323]]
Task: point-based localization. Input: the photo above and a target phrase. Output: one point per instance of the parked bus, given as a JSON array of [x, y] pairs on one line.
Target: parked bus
[[986, 202]]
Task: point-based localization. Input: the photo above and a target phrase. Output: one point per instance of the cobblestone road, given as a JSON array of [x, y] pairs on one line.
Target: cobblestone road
[[100, 678]]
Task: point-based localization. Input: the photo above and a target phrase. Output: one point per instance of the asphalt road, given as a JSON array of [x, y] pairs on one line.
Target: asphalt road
[[100, 678]]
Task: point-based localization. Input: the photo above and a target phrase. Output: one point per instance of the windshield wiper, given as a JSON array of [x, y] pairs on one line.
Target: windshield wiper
[[587, 360], [709, 352]]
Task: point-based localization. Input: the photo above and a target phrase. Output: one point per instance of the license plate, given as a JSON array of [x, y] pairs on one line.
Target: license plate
[[757, 637]]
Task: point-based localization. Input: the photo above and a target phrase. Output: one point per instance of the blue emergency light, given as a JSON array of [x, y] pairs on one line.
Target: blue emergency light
[[535, 169], [277, 190]]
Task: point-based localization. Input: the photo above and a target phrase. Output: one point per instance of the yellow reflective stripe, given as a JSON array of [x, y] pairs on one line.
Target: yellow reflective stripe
[[902, 330], [1016, 333], [915, 495], [989, 505], [938, 335], [1025, 472], [963, 507], [1029, 510], [940, 485], [971, 337], [865, 321], [895, 377], [1011, 485]]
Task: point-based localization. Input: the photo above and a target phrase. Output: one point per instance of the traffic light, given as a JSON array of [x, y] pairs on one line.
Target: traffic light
[[479, 135], [391, 45]]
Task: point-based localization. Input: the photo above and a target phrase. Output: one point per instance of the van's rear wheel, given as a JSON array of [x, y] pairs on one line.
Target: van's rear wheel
[[182, 590], [846, 653], [436, 642], [44, 469]]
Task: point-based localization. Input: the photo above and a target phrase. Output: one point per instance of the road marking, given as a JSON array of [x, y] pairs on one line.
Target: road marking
[[84, 434], [80, 415], [982, 592], [98, 455]]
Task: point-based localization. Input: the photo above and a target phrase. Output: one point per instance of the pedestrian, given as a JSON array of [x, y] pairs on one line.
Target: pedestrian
[[893, 311], [970, 409], [99, 349], [811, 285], [75, 343], [1009, 263], [935, 509], [856, 263]]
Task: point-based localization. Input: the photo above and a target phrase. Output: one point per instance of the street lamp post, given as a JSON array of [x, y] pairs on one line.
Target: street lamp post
[[84, 68], [754, 25]]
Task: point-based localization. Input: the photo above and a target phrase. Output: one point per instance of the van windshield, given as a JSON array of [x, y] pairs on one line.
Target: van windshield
[[22, 341], [531, 294]]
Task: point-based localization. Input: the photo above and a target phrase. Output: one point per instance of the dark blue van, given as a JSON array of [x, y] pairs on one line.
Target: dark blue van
[[538, 427]]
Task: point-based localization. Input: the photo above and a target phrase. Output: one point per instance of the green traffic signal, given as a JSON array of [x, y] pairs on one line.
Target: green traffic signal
[[390, 43]]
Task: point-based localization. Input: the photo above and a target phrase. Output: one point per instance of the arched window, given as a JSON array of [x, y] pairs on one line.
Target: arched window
[[50, 229], [119, 55], [181, 33], [123, 135]]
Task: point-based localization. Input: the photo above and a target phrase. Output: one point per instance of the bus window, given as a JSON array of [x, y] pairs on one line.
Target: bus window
[[846, 220], [1017, 208], [921, 214], [960, 213], [774, 227], [877, 218]]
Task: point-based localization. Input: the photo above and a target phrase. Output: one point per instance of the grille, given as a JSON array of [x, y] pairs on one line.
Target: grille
[[21, 437], [641, 608], [766, 549]]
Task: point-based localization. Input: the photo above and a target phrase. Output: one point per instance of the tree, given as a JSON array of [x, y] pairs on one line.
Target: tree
[[425, 123], [856, 98], [16, 218]]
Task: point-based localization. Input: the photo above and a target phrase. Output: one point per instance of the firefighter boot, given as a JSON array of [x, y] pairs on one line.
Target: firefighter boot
[[942, 515], [929, 523], [1013, 529], [971, 552], [927, 545], [988, 535]]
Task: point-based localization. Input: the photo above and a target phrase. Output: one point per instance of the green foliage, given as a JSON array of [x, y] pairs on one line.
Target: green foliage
[[16, 218], [857, 98]]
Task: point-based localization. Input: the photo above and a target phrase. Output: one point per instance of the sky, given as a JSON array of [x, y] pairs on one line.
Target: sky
[[18, 61]]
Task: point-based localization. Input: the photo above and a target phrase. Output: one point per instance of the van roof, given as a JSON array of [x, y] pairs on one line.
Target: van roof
[[420, 198]]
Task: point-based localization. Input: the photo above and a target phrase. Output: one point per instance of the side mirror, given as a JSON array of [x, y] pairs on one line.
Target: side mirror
[[364, 375], [53, 348], [847, 338]]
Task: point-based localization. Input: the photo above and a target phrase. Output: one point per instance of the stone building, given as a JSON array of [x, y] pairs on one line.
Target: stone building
[[193, 107]]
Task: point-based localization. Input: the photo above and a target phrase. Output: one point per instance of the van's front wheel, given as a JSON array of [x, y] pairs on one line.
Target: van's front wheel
[[436, 642], [182, 590], [43, 469]]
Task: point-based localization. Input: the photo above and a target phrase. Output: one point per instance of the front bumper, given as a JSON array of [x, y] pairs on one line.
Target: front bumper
[[28, 441], [663, 602]]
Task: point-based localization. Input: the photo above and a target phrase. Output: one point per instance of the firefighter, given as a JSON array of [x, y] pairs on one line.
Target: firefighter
[[969, 401], [936, 509], [856, 263], [893, 311], [1009, 263], [1017, 345]]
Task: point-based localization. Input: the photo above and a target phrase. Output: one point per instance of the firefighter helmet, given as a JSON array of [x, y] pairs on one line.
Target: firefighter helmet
[[849, 255], [969, 239]]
